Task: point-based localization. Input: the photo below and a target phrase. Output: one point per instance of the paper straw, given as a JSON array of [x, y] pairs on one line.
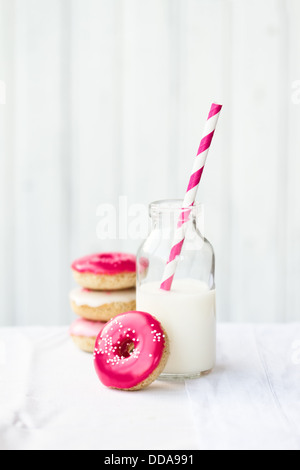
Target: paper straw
[[190, 195]]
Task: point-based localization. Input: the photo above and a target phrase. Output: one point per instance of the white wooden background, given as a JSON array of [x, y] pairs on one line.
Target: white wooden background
[[106, 98]]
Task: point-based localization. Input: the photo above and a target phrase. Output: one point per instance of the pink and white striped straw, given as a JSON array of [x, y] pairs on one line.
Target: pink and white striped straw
[[190, 195]]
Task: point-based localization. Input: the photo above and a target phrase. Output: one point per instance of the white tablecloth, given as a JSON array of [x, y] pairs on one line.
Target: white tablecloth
[[51, 398]]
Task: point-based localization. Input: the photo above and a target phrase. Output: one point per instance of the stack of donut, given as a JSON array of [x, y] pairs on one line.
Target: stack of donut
[[106, 289]]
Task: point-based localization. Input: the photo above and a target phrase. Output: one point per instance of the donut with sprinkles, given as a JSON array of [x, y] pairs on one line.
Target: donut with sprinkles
[[131, 351]]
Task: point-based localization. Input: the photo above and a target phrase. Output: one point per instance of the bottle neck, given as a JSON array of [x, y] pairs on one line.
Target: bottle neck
[[169, 214]]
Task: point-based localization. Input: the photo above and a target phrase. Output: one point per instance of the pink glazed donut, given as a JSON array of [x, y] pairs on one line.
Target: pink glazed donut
[[105, 271], [131, 351], [84, 333]]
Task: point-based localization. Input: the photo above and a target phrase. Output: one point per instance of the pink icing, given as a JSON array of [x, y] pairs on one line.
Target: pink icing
[[143, 264], [106, 263], [115, 365], [82, 327]]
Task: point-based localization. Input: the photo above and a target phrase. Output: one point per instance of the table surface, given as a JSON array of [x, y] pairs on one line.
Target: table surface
[[51, 398]]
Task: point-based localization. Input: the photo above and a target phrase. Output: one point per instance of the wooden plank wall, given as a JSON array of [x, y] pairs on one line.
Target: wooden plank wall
[[106, 102]]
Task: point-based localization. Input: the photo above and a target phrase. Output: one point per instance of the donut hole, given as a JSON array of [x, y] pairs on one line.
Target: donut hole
[[126, 348]]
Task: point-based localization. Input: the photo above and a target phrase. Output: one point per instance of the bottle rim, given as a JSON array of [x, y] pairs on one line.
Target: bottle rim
[[165, 206]]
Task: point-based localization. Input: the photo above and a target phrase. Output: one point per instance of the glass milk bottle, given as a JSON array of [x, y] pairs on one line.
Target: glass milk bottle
[[187, 311]]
